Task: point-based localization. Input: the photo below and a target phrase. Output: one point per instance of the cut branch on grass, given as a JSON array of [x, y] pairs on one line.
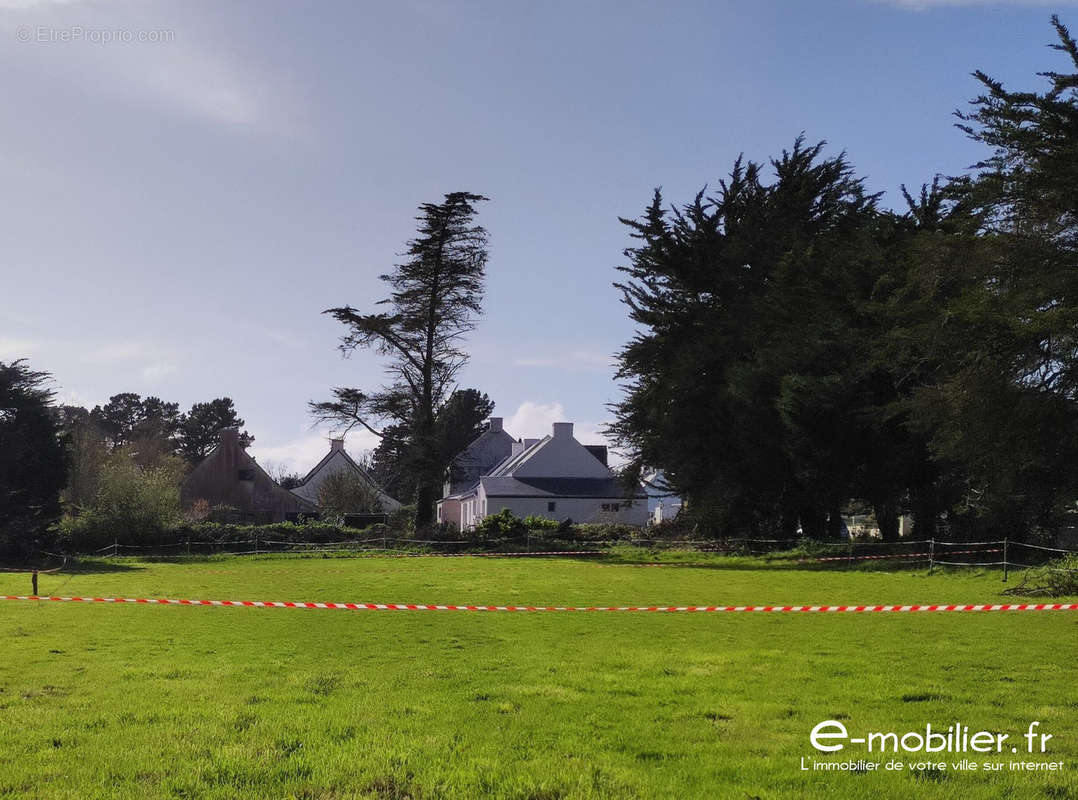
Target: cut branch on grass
[[1055, 579]]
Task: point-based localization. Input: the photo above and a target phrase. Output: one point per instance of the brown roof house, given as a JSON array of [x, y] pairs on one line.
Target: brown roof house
[[229, 477]]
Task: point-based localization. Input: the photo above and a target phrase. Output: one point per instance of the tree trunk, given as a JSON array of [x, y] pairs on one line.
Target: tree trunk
[[834, 522], [887, 519], [426, 495], [812, 524]]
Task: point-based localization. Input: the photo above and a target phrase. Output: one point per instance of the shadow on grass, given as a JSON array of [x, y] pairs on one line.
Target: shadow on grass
[[93, 566], [760, 564]]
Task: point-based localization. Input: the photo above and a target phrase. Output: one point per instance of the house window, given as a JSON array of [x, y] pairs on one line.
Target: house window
[[551, 506], [245, 475], [611, 506]]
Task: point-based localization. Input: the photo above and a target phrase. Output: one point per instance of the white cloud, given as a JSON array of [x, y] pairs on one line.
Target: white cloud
[[152, 361], [168, 61], [19, 5], [533, 420], [201, 86], [12, 349], [118, 351], [158, 369]]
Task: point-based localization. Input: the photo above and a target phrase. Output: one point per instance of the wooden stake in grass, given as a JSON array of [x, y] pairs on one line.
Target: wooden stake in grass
[[33, 581]]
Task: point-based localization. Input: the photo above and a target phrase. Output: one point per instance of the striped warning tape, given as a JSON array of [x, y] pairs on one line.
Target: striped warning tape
[[904, 555], [428, 607]]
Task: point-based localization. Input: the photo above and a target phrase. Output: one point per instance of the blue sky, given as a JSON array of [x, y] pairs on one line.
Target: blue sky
[[177, 211]]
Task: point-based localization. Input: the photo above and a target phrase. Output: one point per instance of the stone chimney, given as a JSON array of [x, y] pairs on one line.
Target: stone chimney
[[495, 424], [229, 436], [563, 430], [336, 444], [517, 448]]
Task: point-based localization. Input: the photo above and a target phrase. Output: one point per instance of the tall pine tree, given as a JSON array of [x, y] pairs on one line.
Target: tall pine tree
[[435, 298]]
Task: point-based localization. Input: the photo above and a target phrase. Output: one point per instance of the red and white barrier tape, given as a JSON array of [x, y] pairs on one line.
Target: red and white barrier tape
[[427, 607], [904, 555]]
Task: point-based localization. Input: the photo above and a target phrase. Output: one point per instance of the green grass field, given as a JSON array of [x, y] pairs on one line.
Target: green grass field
[[181, 702]]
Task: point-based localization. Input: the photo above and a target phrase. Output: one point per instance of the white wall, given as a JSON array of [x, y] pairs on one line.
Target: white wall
[[578, 509]]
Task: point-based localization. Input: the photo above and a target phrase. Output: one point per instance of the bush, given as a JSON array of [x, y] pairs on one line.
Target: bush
[[503, 525], [138, 503], [534, 523]]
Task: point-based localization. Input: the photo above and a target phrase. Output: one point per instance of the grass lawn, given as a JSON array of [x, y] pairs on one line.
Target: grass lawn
[[165, 701]]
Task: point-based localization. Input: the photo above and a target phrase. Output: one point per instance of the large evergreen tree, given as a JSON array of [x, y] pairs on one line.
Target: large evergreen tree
[[435, 297], [755, 381], [32, 462], [996, 296]]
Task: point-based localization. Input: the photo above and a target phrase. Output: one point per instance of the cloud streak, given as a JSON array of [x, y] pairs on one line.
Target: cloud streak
[[178, 70]]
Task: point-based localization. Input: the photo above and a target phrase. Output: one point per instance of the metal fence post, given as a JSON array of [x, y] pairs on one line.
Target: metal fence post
[[1004, 559], [931, 553]]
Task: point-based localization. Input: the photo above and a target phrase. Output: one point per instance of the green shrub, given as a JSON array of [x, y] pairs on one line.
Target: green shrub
[[137, 503], [503, 525], [536, 523]]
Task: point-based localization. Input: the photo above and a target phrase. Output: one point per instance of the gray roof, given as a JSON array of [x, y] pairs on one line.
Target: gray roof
[[606, 488], [507, 466]]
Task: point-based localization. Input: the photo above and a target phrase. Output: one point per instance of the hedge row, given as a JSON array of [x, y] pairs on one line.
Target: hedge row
[[504, 533]]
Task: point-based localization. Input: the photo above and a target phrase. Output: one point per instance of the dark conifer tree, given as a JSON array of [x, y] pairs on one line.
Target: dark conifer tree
[[435, 298]]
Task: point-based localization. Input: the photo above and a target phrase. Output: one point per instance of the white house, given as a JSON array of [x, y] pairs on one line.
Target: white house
[[491, 448], [555, 477], [663, 504], [335, 461]]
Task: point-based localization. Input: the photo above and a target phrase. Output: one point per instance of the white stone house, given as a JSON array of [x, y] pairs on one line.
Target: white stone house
[[488, 450], [335, 461], [555, 477]]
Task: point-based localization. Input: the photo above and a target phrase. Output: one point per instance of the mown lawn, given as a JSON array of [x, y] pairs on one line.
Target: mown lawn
[[164, 701]]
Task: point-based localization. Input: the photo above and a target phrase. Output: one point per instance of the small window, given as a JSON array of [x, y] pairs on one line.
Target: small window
[[606, 506], [615, 507], [551, 506], [245, 475]]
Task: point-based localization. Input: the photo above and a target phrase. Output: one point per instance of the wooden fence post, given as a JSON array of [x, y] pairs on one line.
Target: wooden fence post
[[931, 554]]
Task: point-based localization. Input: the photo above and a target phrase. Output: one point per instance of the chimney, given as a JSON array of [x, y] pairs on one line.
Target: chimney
[[229, 436], [517, 448], [495, 424], [336, 444], [563, 430]]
